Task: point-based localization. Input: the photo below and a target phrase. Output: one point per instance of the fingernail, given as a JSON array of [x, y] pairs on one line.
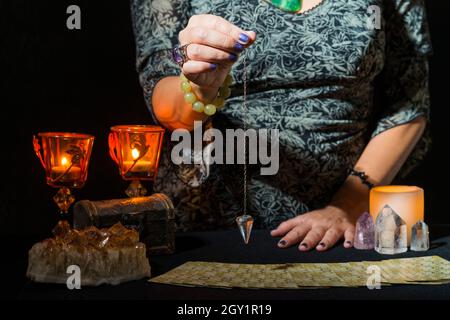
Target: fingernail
[[348, 242], [238, 47], [282, 243], [304, 245], [243, 37], [213, 66], [232, 57], [322, 245]]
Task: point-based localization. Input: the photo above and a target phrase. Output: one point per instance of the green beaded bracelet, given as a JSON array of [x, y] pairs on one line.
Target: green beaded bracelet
[[198, 106]]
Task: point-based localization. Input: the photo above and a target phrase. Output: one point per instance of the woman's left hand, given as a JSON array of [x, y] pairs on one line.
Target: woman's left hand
[[319, 229]]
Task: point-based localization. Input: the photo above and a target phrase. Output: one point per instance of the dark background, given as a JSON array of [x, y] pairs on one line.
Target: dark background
[[54, 79]]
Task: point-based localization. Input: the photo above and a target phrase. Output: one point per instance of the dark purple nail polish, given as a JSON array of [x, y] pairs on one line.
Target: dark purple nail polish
[[322, 245], [243, 37], [282, 243], [232, 57], [238, 47], [304, 245], [213, 66]]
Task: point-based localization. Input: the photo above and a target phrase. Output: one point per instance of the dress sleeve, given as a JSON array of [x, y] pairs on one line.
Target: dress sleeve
[[156, 24], [405, 75]]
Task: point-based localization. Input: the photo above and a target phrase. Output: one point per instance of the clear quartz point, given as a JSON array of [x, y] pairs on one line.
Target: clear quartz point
[[420, 238], [390, 232], [245, 224]]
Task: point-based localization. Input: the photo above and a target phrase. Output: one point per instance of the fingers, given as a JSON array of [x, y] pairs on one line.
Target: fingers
[[211, 38], [294, 236], [312, 239], [200, 52], [191, 67], [223, 26], [329, 239], [349, 235], [285, 226]]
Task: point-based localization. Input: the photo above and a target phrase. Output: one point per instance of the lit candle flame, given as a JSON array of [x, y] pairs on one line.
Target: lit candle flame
[[135, 153], [64, 162]]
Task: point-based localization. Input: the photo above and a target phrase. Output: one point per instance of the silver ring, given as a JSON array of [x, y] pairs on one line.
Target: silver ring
[[179, 54]]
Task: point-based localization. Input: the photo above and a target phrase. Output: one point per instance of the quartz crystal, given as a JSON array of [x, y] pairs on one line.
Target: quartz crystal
[[365, 232], [245, 224], [420, 239], [390, 232], [109, 256]]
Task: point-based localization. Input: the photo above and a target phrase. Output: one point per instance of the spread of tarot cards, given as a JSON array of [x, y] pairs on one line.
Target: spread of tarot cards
[[422, 270]]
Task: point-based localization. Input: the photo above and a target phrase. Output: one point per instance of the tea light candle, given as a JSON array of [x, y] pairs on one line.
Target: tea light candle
[[69, 176], [406, 201], [140, 166]]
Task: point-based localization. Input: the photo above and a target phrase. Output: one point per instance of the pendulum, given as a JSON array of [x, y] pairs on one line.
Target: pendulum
[[245, 221], [245, 224]]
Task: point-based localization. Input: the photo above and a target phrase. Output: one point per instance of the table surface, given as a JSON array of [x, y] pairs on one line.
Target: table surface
[[227, 246]]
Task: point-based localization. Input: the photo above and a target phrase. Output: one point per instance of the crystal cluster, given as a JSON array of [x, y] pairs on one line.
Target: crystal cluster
[[109, 256], [365, 232], [420, 239], [92, 237], [390, 232]]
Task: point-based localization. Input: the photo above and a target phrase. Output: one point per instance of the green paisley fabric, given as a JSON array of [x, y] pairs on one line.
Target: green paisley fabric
[[325, 79]]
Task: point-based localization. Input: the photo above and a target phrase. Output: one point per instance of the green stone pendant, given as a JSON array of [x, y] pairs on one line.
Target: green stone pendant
[[287, 5]]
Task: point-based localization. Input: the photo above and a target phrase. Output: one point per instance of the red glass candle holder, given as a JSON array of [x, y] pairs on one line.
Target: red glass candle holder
[[136, 150], [65, 158]]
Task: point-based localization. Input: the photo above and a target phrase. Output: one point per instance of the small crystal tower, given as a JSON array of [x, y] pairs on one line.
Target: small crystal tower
[[365, 232], [420, 238], [390, 232]]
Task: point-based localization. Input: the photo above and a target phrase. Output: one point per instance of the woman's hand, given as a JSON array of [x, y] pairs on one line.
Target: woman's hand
[[319, 229], [214, 45]]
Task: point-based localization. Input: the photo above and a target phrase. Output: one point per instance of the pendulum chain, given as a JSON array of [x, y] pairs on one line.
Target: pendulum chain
[[245, 133], [245, 221]]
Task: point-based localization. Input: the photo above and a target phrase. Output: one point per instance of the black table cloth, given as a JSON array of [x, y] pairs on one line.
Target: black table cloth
[[227, 246]]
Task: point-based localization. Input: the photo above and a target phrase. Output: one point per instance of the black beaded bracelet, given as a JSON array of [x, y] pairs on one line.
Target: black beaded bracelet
[[362, 175]]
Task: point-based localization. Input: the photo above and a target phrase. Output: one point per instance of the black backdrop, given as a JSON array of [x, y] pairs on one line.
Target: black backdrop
[[53, 79]]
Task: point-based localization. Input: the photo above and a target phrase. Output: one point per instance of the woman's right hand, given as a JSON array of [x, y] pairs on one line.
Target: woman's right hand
[[214, 46]]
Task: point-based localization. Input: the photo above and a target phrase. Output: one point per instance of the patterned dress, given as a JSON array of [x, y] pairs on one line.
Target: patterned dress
[[328, 79]]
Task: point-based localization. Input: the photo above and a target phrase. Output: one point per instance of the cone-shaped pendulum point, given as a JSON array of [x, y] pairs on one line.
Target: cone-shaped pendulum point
[[245, 224]]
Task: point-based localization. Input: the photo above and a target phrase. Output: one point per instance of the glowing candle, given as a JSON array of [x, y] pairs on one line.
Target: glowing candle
[[406, 201], [135, 153], [63, 173], [141, 165], [136, 150]]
